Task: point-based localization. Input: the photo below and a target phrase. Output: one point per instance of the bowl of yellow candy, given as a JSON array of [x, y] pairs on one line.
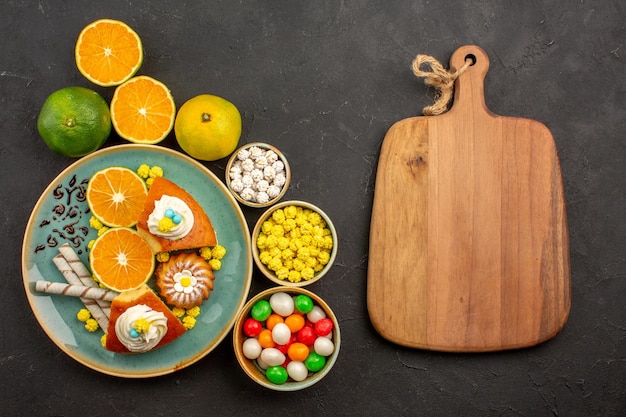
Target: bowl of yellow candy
[[294, 243]]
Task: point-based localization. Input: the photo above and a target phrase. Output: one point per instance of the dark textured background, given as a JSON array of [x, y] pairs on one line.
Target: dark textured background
[[323, 81]]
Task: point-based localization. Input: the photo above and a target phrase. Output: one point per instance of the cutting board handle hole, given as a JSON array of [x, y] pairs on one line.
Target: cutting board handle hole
[[472, 58]]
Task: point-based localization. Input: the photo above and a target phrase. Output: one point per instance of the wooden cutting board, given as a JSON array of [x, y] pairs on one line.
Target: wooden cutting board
[[469, 248]]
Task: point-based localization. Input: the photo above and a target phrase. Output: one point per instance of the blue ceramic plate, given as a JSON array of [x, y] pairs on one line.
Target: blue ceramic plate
[[62, 215]]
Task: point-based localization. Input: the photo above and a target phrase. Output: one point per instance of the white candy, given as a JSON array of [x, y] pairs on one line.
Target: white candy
[[260, 162], [316, 314], [251, 348], [235, 171], [261, 363], [269, 172], [278, 165], [237, 185], [281, 334], [262, 185], [247, 180], [271, 156], [297, 371], [282, 304], [255, 152], [247, 194], [247, 165], [279, 179], [272, 357], [256, 175], [243, 154], [273, 191], [262, 197], [323, 346]]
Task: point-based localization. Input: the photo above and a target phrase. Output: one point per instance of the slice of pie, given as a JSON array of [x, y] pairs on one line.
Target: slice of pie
[[173, 220], [140, 322]]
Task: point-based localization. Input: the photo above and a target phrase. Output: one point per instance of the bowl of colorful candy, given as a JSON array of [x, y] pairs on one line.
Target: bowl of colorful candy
[[286, 339], [257, 174], [294, 243]]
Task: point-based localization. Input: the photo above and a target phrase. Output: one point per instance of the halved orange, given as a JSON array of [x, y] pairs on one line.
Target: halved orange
[[143, 110], [108, 52], [116, 196], [121, 260]]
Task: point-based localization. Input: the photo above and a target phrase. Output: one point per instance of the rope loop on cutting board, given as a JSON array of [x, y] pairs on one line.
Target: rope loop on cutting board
[[439, 78]]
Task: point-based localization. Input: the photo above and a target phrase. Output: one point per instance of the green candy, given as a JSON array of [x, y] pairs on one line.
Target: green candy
[[314, 362], [276, 375], [261, 310], [303, 303]]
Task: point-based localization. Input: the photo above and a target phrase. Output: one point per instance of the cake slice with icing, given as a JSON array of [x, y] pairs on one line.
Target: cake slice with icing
[[140, 322], [173, 220]]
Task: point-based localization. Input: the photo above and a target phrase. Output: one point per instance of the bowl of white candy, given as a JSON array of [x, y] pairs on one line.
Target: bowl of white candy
[[257, 174]]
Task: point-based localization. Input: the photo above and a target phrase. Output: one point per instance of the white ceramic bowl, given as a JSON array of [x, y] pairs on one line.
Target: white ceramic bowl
[[252, 201], [256, 252], [255, 371]]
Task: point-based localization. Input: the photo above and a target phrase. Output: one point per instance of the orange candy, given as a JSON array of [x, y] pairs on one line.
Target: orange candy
[[273, 320], [265, 339], [295, 322], [298, 352]]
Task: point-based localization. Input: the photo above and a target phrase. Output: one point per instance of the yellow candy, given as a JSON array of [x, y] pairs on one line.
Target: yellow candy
[[307, 273], [275, 264], [283, 273], [272, 241], [91, 325], [290, 212], [95, 222], [218, 252], [286, 254], [143, 171], [193, 311], [283, 243], [294, 276], [303, 253], [215, 264], [83, 315], [266, 227], [278, 216], [155, 171], [165, 224], [289, 225], [163, 256], [265, 257], [142, 325], [206, 253], [189, 322], [298, 264]]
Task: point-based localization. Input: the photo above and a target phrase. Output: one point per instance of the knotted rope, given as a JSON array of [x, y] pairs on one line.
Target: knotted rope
[[439, 78]]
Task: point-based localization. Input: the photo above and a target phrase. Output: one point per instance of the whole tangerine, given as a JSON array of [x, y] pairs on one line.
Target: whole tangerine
[[208, 127]]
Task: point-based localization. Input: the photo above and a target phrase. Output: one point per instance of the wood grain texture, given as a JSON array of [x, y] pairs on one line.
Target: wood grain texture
[[469, 247]]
